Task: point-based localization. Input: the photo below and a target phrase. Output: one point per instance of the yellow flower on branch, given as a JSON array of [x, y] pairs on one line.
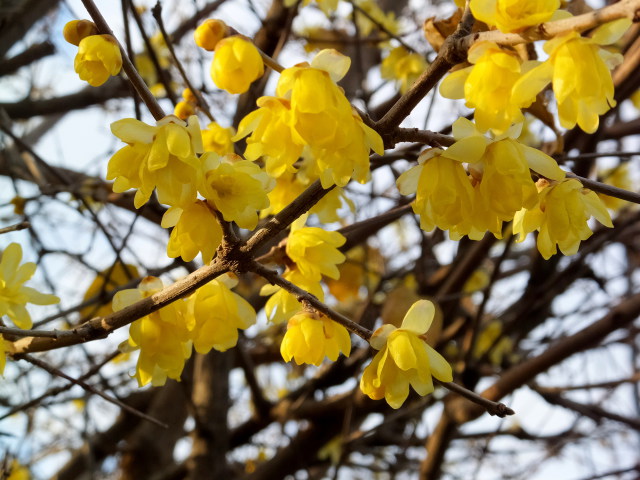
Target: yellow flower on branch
[[163, 336], [196, 230], [218, 139], [486, 86], [14, 296], [282, 305], [314, 250], [513, 15], [161, 157], [236, 64], [311, 336], [209, 33], [403, 66], [75, 30], [98, 58], [404, 359], [219, 313], [561, 217], [580, 72], [237, 188]]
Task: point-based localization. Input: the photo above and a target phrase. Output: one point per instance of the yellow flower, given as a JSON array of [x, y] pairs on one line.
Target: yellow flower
[[75, 30], [314, 250], [113, 277], [486, 86], [444, 195], [271, 136], [311, 336], [98, 57], [184, 110], [13, 294], [512, 15], [375, 17], [579, 70], [236, 64], [209, 33], [235, 187], [491, 338], [282, 305], [404, 359], [218, 139], [561, 217], [161, 157], [162, 336], [195, 229], [219, 313], [18, 472], [323, 119], [362, 268], [403, 66]]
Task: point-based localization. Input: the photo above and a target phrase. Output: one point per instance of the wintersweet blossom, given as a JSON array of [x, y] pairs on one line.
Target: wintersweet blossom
[[98, 58], [209, 33], [195, 230], [163, 336], [561, 217], [219, 313], [271, 136], [486, 86], [314, 250], [218, 139], [75, 30], [282, 305], [512, 15], [236, 64], [311, 337], [404, 359], [580, 72], [323, 119], [13, 294], [237, 188], [161, 157], [403, 66]]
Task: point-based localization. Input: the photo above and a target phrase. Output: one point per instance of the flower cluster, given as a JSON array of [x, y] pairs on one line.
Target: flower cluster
[[208, 319], [98, 56]]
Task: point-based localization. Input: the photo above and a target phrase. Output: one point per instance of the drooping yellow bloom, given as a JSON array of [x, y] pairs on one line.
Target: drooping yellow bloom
[[236, 64], [512, 15], [13, 294], [18, 472], [113, 277], [161, 157], [196, 230], [444, 194], [323, 119], [561, 217], [218, 139], [404, 359], [311, 336], [580, 72], [487, 85], [219, 313], [403, 66], [271, 136], [162, 336], [98, 58], [209, 33], [75, 30], [235, 187], [282, 305], [314, 250]]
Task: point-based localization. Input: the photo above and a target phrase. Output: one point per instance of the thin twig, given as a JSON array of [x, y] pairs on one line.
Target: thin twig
[[492, 408], [15, 228]]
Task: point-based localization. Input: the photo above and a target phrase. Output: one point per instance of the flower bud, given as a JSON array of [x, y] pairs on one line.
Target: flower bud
[[209, 33], [76, 30]]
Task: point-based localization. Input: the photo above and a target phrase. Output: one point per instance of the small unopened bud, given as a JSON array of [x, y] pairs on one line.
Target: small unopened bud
[[184, 110], [75, 30], [188, 96], [209, 33]]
